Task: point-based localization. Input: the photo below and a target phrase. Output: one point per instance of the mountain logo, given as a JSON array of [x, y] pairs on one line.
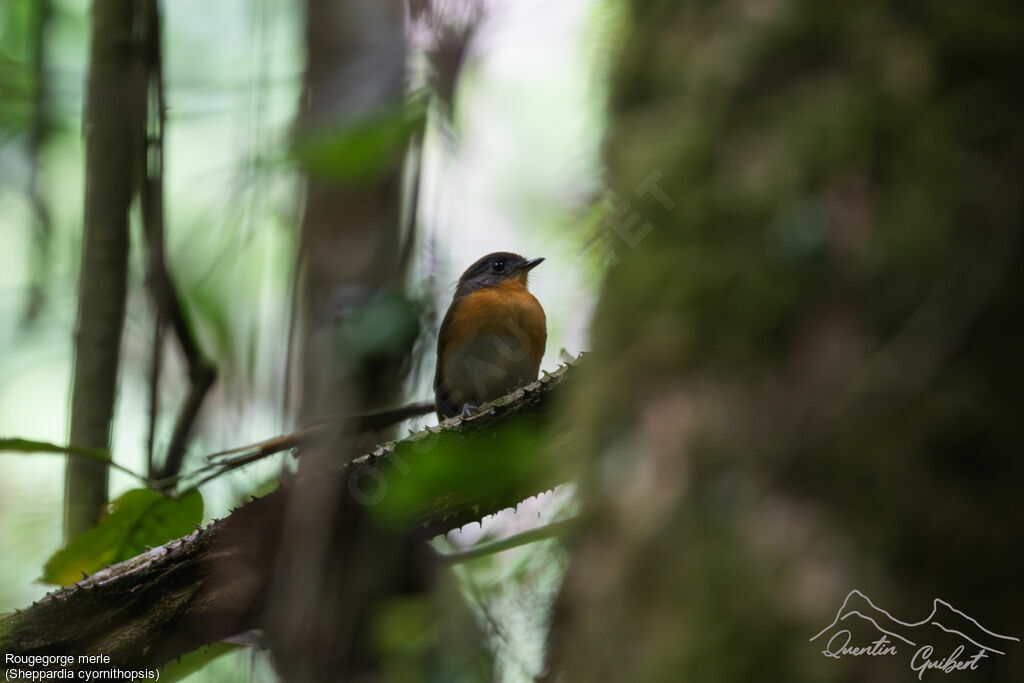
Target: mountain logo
[[947, 640]]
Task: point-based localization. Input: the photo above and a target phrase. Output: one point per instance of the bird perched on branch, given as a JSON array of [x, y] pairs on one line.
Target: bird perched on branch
[[492, 338]]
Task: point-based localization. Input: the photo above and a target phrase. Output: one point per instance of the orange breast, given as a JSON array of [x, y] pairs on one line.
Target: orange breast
[[492, 341], [505, 308]]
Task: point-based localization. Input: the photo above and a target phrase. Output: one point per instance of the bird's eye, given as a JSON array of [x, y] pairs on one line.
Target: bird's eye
[[498, 266]]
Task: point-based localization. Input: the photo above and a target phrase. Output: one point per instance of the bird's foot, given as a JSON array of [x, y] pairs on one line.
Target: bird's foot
[[469, 410]]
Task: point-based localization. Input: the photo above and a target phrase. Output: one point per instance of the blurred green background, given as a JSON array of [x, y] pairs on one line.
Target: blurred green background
[[517, 167], [806, 344]]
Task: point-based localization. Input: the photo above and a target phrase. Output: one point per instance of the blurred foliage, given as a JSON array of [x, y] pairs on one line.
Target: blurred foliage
[[16, 77], [405, 632], [507, 454], [429, 638], [382, 328], [360, 150], [138, 520]]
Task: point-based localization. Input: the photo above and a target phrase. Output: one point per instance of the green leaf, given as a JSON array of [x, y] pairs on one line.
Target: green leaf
[[137, 519], [29, 446], [188, 664]]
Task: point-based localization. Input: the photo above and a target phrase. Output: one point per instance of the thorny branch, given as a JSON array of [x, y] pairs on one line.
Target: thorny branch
[[209, 585]]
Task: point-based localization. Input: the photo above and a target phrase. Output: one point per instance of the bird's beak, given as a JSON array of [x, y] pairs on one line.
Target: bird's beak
[[531, 264]]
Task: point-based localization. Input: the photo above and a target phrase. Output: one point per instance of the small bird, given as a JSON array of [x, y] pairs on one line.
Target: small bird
[[492, 337]]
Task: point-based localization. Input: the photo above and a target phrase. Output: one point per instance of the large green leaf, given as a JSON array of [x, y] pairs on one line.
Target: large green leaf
[[137, 519]]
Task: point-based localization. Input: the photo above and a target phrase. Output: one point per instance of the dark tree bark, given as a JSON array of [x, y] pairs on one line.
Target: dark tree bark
[[113, 129]]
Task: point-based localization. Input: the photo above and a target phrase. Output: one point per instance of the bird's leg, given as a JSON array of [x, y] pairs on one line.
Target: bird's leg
[[468, 410]]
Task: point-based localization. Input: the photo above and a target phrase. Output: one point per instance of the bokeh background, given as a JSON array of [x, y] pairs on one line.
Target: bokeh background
[[788, 232], [516, 165]]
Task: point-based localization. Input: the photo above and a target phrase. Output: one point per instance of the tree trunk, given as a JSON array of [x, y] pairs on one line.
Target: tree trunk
[[113, 126], [802, 360], [330, 573]]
